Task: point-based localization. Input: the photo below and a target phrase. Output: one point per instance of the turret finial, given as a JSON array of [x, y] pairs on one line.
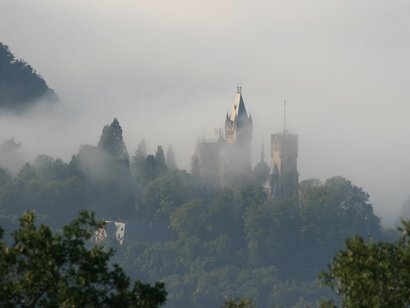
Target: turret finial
[[239, 86]]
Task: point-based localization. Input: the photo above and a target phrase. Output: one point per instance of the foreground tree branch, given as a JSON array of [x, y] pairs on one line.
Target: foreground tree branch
[[45, 269], [372, 274]]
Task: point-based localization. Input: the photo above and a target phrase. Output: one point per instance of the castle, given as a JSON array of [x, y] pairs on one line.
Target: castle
[[225, 159]]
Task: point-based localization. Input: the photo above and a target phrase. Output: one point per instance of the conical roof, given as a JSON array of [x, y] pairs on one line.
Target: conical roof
[[238, 108]]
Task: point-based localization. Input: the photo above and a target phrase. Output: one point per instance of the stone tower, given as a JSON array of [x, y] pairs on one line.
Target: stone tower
[[284, 174], [284, 177], [238, 138]]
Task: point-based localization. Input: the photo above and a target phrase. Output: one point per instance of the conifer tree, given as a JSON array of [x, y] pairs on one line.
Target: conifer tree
[[112, 143], [160, 164]]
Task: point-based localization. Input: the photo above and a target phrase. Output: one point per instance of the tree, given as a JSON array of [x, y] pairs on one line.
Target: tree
[[329, 213], [189, 220], [372, 274], [42, 269], [5, 177], [272, 233], [49, 169], [149, 172], [19, 82], [112, 143], [108, 177], [346, 206], [147, 167], [138, 164], [160, 165], [164, 194]]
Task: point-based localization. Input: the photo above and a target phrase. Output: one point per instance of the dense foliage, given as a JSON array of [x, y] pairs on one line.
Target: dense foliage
[[19, 82], [207, 245], [57, 270], [372, 274]]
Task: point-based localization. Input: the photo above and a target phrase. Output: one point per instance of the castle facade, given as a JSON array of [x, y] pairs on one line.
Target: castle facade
[[225, 159]]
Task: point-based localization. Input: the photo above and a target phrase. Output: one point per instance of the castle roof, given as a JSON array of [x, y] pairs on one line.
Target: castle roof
[[238, 108]]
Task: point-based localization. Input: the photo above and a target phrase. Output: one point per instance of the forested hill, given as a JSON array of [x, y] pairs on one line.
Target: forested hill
[[207, 244], [20, 84]]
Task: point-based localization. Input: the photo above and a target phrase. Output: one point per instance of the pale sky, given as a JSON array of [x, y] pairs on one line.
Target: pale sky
[[168, 70]]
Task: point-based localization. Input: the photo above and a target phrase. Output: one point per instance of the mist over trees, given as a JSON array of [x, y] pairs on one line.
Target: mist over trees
[[207, 244], [211, 236], [20, 84], [11, 155]]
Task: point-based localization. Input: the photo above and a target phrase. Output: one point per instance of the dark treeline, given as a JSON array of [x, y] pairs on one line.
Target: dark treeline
[[20, 84], [219, 243]]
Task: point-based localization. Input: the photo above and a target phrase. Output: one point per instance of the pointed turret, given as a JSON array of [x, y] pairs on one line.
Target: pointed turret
[[238, 136], [238, 125], [261, 171], [226, 159], [238, 110]]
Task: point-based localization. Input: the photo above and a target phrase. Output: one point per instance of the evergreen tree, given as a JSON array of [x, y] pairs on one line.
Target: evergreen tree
[[138, 164], [149, 169], [112, 143], [108, 175], [160, 165]]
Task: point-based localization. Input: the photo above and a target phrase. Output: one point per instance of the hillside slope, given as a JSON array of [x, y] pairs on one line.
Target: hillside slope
[[20, 84]]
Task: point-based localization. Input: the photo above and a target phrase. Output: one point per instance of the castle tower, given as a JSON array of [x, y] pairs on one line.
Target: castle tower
[[225, 160], [207, 161], [238, 137], [238, 125], [284, 173]]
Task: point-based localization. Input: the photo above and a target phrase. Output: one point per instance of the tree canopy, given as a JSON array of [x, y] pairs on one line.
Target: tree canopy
[[372, 274], [206, 243], [44, 269], [19, 82], [112, 143]]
